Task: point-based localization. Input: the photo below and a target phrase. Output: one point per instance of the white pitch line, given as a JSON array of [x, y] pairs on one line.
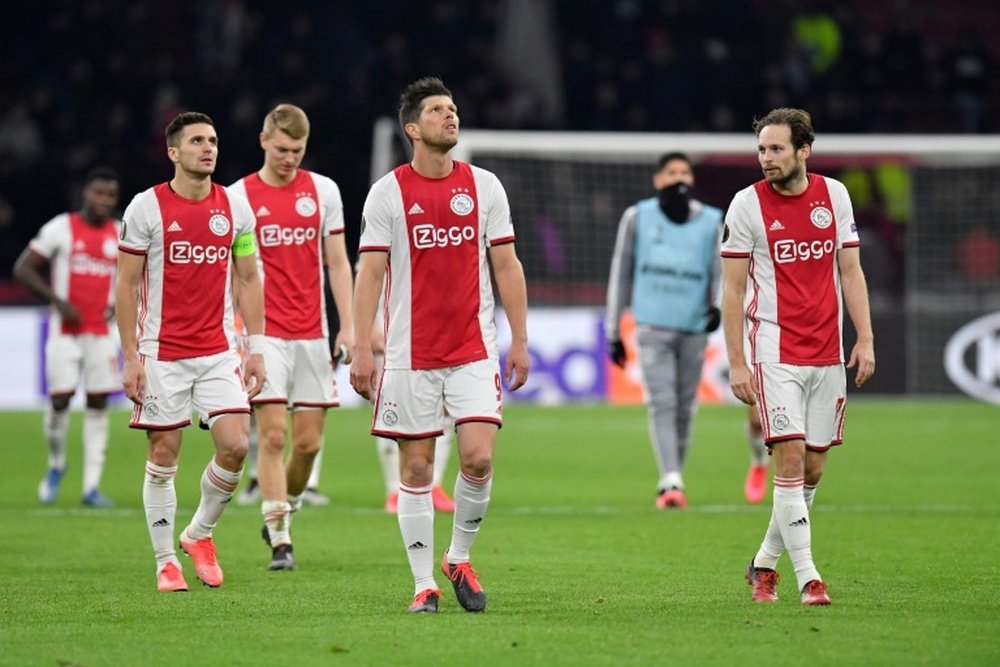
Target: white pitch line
[[544, 510]]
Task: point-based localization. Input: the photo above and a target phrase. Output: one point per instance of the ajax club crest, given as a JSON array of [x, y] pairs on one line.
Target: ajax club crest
[[218, 223], [305, 205], [462, 204], [821, 217]]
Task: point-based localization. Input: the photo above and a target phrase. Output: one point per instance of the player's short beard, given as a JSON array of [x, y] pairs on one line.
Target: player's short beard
[[793, 175], [444, 145]]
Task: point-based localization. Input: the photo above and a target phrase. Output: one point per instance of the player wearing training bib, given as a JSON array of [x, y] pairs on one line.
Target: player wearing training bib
[[790, 258], [81, 248], [184, 245], [431, 230], [300, 227], [666, 268]]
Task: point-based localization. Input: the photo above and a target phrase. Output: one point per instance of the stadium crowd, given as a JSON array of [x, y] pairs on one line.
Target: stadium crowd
[[94, 82]]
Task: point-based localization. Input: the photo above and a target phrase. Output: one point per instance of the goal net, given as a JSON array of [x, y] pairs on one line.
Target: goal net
[[927, 206]]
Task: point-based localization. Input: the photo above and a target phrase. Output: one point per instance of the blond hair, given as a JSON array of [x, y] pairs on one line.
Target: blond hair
[[288, 118]]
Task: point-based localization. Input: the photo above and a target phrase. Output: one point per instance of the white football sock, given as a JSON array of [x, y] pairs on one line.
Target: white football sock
[[313, 482], [252, 442], [442, 451], [217, 487], [671, 480], [792, 516], [472, 498], [415, 514], [55, 423], [758, 450], [160, 502], [95, 446], [773, 545], [278, 519], [388, 458]]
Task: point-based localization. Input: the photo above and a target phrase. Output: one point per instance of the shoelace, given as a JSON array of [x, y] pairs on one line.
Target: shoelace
[[464, 572], [423, 595], [815, 588], [769, 579]]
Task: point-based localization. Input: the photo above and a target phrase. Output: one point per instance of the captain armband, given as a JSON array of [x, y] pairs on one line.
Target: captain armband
[[245, 244]]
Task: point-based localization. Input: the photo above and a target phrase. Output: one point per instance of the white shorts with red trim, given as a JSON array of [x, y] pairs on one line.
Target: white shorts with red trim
[[299, 374], [93, 357], [410, 404], [211, 385], [802, 403]]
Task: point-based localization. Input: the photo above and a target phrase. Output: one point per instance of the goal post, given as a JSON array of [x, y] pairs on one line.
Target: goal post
[[927, 206]]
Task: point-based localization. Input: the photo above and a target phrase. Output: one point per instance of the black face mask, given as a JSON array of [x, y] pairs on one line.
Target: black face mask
[[675, 201]]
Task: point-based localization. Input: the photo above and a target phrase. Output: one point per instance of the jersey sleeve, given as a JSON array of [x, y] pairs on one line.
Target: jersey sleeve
[[239, 188], [137, 224], [244, 221], [377, 215], [51, 236], [843, 213], [737, 231], [331, 204], [499, 225], [620, 278]]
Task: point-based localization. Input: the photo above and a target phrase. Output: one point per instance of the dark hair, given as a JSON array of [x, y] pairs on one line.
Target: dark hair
[[100, 174], [182, 120], [797, 120], [667, 157], [411, 102]]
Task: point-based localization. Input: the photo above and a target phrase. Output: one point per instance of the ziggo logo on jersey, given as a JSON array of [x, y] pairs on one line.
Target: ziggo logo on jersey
[[275, 235], [182, 252], [429, 236], [790, 251]]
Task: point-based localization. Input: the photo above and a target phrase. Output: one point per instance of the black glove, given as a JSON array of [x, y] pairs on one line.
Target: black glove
[[714, 319], [616, 350]]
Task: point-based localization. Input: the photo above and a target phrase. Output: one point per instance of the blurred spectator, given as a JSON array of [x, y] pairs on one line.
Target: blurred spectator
[[669, 66]]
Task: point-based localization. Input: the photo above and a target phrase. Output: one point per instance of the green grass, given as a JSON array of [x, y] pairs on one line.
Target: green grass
[[579, 567]]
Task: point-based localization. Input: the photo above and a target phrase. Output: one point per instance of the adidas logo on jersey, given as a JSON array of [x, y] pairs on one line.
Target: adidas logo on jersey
[[174, 227], [415, 209], [776, 226], [161, 523], [262, 211]]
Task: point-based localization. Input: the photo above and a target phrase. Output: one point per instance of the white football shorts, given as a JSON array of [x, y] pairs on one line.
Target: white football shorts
[[92, 356], [802, 403], [212, 385], [409, 404], [299, 374]]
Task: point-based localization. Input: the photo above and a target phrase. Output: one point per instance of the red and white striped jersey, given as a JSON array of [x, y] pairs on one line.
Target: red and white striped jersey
[[438, 295], [292, 221], [185, 303], [82, 259], [793, 304]]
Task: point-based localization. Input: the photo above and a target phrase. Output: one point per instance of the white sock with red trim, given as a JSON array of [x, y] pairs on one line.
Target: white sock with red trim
[[278, 519], [773, 545], [792, 516], [472, 498], [415, 514], [217, 487], [160, 502]]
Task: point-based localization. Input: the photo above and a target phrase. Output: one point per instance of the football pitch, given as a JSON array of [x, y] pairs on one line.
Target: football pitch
[[580, 569]]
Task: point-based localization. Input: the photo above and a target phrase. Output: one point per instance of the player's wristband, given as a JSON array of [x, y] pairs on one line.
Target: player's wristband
[[256, 343]]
